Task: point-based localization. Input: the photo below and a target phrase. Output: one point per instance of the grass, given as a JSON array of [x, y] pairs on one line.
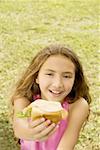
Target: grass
[[28, 25]]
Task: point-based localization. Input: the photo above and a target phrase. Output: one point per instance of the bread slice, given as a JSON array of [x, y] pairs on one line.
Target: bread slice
[[48, 109]]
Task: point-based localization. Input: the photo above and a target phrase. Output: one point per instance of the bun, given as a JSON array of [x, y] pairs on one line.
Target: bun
[[48, 109]]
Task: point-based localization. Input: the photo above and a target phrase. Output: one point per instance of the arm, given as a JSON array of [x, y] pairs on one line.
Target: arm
[[30, 130], [20, 126], [77, 115]]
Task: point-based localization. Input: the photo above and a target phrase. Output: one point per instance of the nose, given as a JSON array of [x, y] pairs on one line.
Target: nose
[[57, 82]]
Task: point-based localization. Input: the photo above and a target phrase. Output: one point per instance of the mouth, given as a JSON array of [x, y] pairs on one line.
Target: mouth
[[55, 93]]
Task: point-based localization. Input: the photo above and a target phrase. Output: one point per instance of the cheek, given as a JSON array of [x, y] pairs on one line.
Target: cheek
[[72, 82], [69, 84], [43, 82]]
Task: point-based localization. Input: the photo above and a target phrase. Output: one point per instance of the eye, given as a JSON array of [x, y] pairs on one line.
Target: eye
[[67, 76], [49, 74]]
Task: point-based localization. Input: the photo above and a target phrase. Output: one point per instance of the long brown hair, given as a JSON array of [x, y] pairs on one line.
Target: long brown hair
[[27, 86]]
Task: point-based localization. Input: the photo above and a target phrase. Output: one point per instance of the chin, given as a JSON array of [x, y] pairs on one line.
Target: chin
[[55, 99]]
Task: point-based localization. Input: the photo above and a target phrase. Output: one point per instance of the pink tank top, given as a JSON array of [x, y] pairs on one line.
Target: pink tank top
[[52, 142]]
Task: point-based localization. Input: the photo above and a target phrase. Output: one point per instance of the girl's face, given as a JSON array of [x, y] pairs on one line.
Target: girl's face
[[56, 78]]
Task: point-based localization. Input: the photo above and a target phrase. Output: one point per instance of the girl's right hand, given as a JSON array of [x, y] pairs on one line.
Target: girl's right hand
[[41, 129]]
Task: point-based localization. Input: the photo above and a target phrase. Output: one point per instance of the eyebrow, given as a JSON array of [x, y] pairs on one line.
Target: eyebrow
[[66, 72]]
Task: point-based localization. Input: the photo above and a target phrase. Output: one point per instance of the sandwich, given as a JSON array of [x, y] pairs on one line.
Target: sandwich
[[51, 110]]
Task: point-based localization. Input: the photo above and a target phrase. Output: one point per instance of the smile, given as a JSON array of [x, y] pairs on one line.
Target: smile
[[56, 93]]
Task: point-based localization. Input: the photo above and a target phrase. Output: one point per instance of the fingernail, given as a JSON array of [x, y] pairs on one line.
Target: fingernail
[[57, 126], [42, 119], [36, 140], [58, 122], [53, 124], [48, 121]]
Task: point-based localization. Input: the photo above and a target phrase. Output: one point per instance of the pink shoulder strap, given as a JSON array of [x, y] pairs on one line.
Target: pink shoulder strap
[[65, 105]]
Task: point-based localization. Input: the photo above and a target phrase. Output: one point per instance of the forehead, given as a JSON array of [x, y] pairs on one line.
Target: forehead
[[58, 62]]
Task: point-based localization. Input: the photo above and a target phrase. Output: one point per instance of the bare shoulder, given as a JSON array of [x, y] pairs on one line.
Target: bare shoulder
[[80, 104], [20, 103], [80, 108]]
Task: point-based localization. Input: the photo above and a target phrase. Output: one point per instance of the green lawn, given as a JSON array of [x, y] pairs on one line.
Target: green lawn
[[28, 25]]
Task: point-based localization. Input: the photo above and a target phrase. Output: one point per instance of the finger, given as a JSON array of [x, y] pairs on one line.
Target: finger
[[53, 131], [38, 129], [42, 126], [49, 134], [36, 122], [46, 131]]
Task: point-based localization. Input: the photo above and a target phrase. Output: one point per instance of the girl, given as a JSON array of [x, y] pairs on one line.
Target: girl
[[55, 74]]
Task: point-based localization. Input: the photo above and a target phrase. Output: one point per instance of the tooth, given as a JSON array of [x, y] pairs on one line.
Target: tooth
[[56, 92]]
